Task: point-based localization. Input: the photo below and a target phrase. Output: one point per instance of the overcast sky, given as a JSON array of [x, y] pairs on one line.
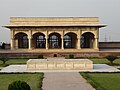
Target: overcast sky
[[108, 12]]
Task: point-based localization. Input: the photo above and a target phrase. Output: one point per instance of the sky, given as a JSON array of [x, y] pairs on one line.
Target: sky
[[108, 12]]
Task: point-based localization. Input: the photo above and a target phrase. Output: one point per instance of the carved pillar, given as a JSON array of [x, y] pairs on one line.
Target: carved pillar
[[62, 37], [78, 39], [96, 46], [62, 43], [12, 40], [96, 43], [46, 43], [12, 43], [30, 39], [78, 44], [30, 46], [46, 37]]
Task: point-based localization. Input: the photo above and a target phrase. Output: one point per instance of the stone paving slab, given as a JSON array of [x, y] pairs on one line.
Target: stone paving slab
[[65, 81], [23, 68]]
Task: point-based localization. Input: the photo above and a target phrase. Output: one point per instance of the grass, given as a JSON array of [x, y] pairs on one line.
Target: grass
[[105, 61], [34, 80], [13, 61], [95, 61], [103, 81]]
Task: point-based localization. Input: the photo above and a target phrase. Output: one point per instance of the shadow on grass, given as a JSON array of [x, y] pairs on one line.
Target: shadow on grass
[[4, 65]]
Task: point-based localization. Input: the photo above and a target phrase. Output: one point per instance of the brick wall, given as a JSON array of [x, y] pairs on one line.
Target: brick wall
[[77, 54]]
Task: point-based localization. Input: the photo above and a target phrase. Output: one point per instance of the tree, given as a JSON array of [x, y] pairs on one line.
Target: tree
[[19, 85], [3, 59], [111, 58]]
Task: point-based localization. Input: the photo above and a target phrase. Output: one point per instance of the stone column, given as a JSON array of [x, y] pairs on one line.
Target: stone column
[[78, 44], [46, 43], [30, 39], [62, 43], [78, 39], [96, 44], [62, 37], [12, 40], [12, 43], [46, 37], [30, 46]]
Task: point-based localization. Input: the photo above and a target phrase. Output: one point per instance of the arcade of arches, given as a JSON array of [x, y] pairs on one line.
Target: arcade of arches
[[54, 33], [54, 40]]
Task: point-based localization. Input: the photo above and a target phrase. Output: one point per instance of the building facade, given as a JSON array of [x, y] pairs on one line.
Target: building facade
[[54, 33]]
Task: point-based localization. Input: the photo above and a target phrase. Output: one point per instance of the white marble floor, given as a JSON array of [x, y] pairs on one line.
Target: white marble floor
[[23, 68]]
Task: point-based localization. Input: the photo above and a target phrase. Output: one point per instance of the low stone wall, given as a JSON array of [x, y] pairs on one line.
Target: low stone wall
[[109, 45], [63, 64], [25, 54]]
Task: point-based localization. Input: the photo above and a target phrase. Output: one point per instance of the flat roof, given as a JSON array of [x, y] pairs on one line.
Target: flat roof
[[53, 21]]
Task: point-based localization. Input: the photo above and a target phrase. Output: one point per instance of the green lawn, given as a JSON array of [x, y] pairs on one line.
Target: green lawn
[[103, 81], [34, 80], [105, 61], [95, 61], [14, 61]]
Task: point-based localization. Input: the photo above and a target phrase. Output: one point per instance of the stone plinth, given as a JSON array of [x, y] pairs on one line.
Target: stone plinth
[[63, 64]]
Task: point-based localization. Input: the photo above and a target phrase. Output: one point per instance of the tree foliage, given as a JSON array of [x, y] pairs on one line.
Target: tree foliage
[[3, 59], [111, 58]]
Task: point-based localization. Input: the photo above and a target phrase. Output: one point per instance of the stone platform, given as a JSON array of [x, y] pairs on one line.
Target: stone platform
[[59, 64], [23, 68]]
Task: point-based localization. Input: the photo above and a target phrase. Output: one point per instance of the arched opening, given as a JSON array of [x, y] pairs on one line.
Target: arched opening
[[54, 40], [39, 40], [70, 40], [87, 40], [21, 40]]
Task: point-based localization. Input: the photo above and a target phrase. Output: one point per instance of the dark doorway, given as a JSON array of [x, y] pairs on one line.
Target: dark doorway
[[22, 39], [39, 40], [70, 40], [54, 41], [87, 40]]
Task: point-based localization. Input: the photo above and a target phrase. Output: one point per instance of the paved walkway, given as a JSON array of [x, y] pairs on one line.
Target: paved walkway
[[65, 81], [62, 79]]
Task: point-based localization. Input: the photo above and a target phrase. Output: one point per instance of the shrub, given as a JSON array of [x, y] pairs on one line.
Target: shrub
[[111, 58], [3, 59], [40, 56], [71, 56], [19, 85]]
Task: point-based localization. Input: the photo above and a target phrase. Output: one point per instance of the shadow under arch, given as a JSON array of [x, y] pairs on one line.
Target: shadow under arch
[[38, 40], [21, 40], [54, 40], [70, 40], [87, 40]]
